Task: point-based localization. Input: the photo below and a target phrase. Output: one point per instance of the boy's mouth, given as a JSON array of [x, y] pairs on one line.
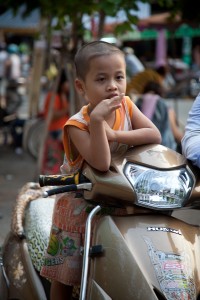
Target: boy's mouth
[[112, 96]]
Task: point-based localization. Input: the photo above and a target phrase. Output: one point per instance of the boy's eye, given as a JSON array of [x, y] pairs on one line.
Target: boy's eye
[[120, 77], [101, 79]]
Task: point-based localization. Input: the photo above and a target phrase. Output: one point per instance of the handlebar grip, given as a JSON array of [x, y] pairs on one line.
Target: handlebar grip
[[55, 180]]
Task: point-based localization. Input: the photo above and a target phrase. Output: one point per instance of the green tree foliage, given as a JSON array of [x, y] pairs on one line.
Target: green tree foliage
[[72, 11]]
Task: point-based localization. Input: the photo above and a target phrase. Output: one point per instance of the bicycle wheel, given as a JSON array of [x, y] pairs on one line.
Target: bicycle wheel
[[33, 135]]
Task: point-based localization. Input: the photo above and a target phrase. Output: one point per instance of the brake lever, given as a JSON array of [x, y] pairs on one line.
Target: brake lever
[[68, 188]]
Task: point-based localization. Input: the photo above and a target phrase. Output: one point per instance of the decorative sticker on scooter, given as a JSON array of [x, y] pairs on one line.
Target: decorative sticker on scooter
[[164, 229], [173, 273]]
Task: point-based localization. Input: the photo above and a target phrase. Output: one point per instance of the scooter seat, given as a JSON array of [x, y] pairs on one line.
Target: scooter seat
[[38, 220]]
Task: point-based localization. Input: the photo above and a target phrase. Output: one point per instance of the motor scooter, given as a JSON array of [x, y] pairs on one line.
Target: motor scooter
[[152, 253]]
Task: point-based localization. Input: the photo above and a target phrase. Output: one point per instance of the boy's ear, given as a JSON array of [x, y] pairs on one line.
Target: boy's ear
[[79, 86]]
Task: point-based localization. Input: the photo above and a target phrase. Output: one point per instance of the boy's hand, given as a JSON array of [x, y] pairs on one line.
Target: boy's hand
[[106, 107]]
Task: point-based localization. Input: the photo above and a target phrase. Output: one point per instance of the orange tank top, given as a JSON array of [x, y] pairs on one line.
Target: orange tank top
[[81, 120]]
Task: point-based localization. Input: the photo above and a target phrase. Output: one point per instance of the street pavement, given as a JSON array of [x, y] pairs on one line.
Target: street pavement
[[15, 171]]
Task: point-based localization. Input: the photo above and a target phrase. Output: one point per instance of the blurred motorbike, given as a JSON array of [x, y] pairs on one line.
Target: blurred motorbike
[[10, 123], [151, 253], [14, 94]]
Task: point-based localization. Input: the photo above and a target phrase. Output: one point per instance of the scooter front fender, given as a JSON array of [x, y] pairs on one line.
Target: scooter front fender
[[145, 257], [24, 282]]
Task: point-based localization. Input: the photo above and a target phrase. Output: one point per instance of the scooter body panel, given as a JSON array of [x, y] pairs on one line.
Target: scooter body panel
[[117, 271], [150, 253], [98, 293]]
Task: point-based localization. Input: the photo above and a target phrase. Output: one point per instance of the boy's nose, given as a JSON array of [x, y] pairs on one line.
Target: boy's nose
[[112, 85]]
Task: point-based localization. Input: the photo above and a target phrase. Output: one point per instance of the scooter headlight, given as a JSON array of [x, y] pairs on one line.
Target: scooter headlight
[[160, 189]]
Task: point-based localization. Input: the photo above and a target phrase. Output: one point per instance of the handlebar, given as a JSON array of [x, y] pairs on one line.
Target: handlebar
[[68, 183], [55, 180]]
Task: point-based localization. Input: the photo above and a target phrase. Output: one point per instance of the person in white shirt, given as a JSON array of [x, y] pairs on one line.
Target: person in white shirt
[[191, 139], [13, 63], [133, 64], [3, 58]]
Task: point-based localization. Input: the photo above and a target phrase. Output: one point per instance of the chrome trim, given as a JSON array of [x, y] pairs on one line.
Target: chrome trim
[[84, 276], [84, 186]]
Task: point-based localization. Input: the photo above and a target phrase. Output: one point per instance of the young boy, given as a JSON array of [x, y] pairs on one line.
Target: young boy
[[108, 121]]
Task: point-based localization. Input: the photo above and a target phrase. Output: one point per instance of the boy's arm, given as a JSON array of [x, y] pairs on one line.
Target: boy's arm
[[144, 131], [94, 146]]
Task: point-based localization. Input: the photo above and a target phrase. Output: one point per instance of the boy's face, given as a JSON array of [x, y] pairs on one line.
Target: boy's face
[[106, 78]]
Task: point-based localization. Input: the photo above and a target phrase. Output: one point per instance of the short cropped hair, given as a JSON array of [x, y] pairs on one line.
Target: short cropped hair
[[89, 51]]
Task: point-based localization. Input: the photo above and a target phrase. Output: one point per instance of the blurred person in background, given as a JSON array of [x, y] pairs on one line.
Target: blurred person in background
[[177, 128], [12, 73], [3, 58], [196, 59], [24, 51], [60, 107], [171, 88], [137, 87], [3, 112], [133, 64], [13, 99], [153, 106], [53, 156], [167, 78], [13, 63]]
